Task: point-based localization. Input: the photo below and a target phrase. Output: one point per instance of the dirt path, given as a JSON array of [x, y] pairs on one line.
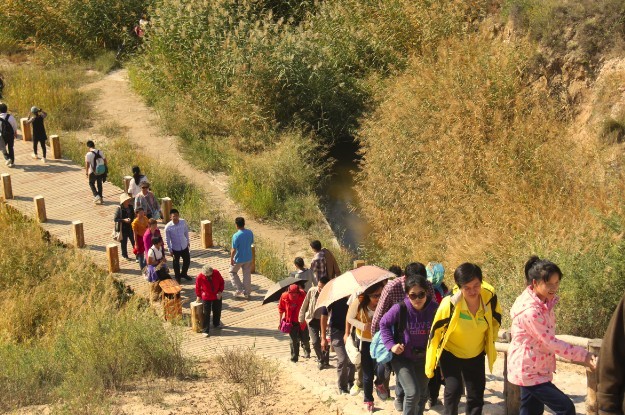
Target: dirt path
[[116, 102]]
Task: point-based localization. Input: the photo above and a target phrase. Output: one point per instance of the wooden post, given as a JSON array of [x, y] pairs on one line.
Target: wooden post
[[40, 209], [127, 180], [27, 132], [197, 318], [79, 234], [55, 145], [112, 255], [7, 188], [166, 209], [594, 346], [253, 259], [511, 392], [207, 234], [359, 263]]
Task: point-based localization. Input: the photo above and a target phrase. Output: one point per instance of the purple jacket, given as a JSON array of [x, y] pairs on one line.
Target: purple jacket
[[418, 324]]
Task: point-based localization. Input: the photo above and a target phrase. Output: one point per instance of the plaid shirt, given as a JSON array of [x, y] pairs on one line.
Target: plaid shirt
[[318, 265], [392, 293]]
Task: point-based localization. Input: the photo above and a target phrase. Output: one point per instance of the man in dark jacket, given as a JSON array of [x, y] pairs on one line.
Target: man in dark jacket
[[611, 385]]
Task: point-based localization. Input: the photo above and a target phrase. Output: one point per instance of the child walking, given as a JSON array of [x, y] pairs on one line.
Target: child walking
[[36, 118], [531, 356]]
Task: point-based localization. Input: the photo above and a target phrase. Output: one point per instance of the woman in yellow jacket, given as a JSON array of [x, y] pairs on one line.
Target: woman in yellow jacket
[[463, 331]]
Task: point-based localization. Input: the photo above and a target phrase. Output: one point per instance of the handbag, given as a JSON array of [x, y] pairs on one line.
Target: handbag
[[353, 349], [285, 327], [117, 236]]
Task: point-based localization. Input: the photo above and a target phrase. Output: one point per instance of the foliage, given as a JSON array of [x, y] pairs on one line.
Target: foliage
[[81, 27]]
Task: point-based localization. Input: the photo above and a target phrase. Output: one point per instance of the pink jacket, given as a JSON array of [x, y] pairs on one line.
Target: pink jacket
[[532, 352]]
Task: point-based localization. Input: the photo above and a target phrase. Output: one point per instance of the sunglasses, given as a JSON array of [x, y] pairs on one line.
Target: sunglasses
[[417, 296]]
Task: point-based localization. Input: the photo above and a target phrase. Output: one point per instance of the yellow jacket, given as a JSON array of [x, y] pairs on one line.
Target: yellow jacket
[[446, 320]]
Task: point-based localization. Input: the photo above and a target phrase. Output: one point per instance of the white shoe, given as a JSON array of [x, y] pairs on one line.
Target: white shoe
[[43, 160], [10, 164], [34, 156], [6, 163], [96, 200]]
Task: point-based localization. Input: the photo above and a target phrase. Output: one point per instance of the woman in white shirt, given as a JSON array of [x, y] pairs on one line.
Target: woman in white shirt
[[134, 187]]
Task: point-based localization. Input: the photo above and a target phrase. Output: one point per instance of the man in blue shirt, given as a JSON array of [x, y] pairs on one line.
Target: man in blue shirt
[[241, 258], [177, 237]]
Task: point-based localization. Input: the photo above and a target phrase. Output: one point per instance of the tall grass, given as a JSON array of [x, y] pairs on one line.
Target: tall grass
[[66, 338]]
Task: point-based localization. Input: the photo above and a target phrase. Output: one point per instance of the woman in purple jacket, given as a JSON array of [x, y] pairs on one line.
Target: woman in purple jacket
[[405, 329]]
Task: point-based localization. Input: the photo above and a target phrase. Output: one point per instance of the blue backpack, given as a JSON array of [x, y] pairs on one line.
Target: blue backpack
[[378, 350]]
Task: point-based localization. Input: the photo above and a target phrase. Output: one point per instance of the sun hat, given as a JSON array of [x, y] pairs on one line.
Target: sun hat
[[123, 198]]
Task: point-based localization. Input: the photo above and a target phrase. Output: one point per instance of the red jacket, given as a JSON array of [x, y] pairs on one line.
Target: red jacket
[[207, 290], [290, 304]]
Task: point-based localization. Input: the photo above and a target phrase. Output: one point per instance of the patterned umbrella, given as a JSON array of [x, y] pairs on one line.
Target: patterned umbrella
[[358, 279], [274, 293]]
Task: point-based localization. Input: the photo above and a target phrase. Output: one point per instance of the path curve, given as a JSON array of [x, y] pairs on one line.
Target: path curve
[[117, 101]]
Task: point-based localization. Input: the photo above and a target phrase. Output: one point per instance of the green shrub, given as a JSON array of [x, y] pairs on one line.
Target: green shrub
[[105, 62]]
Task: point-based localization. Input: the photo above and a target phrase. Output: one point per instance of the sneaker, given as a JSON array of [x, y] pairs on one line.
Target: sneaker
[[126, 257], [10, 164], [6, 163], [34, 156], [399, 404], [239, 294], [343, 391], [434, 402], [354, 390], [186, 277], [369, 407], [307, 354], [205, 334], [382, 392], [96, 200], [320, 365], [43, 160]]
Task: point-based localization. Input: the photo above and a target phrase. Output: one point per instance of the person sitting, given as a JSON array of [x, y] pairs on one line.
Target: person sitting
[[157, 266], [209, 288]]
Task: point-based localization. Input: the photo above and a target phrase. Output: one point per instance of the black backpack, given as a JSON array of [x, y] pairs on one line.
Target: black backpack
[[6, 129]]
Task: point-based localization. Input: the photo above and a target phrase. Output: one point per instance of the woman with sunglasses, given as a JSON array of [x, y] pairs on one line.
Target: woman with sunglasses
[[404, 330], [464, 330], [360, 319], [532, 352]]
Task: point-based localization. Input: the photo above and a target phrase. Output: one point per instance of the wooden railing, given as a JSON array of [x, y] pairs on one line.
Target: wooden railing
[[512, 393]]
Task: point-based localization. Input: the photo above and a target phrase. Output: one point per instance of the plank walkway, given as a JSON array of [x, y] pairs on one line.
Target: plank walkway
[[248, 324]]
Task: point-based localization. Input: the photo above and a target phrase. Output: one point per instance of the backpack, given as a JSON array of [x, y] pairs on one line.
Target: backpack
[[378, 350], [6, 130], [98, 166]]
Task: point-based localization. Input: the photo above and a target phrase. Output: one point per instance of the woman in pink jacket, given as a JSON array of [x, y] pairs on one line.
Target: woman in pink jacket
[[532, 352]]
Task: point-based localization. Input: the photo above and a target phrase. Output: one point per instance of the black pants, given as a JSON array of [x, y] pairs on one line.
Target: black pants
[[298, 335], [7, 151], [41, 141], [474, 375], [314, 331], [207, 307], [127, 236], [93, 181], [186, 261], [534, 398], [434, 386]]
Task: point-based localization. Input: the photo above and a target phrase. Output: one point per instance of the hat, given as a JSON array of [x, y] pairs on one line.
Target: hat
[[123, 198], [145, 184], [34, 110]]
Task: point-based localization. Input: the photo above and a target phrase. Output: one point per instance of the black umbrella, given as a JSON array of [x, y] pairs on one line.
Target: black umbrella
[[274, 293]]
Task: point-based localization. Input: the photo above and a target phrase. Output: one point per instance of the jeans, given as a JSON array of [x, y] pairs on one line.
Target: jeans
[[297, 334], [344, 368], [7, 151], [314, 331], [186, 261], [369, 368], [246, 286], [41, 141], [93, 181], [414, 382], [142, 261], [207, 307], [474, 374], [126, 236], [534, 398]]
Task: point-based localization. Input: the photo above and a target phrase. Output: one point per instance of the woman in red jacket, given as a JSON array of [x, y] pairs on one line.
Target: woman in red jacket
[[209, 287], [289, 307]]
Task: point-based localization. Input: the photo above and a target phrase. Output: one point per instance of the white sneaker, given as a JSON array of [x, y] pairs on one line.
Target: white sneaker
[[34, 156], [6, 163], [354, 390], [96, 200], [10, 164], [43, 160]]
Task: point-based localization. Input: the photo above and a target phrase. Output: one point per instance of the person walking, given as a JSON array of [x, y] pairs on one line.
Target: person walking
[[436, 274], [177, 237], [134, 187], [8, 134], [36, 118], [335, 317], [534, 346], [139, 225], [151, 232], [611, 377], [361, 325], [303, 273], [463, 332], [289, 308], [308, 315], [95, 170], [405, 330], [146, 200], [241, 259], [209, 288], [124, 215]]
